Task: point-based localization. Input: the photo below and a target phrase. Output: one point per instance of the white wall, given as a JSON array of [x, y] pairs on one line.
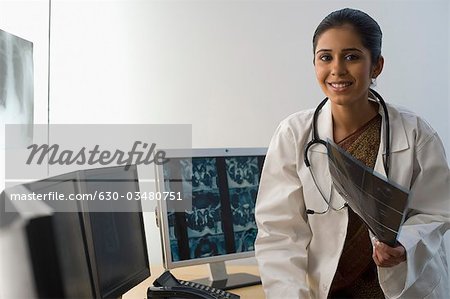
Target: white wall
[[232, 69], [229, 65]]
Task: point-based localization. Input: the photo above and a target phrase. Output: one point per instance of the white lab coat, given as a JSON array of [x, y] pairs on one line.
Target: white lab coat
[[298, 253]]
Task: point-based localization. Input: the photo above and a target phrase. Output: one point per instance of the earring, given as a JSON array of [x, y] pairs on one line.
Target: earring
[[374, 81]]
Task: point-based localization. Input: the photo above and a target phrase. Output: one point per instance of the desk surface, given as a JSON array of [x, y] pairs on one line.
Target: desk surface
[[196, 272]]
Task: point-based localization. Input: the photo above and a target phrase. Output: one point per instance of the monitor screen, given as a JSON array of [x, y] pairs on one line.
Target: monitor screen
[[115, 239], [220, 224], [56, 243], [76, 253]]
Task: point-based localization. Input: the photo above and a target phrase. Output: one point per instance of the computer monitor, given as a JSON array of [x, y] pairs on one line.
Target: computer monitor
[[115, 239], [56, 243], [87, 253], [220, 224]]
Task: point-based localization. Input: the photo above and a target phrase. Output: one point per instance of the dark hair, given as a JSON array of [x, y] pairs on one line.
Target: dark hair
[[367, 28]]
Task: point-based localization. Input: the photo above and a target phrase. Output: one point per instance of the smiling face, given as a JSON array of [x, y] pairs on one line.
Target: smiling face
[[343, 66]]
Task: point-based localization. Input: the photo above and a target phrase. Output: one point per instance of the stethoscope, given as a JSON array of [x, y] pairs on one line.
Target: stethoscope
[[316, 140]]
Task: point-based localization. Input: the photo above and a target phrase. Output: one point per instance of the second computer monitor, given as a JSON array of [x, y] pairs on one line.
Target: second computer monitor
[[219, 225], [115, 239]]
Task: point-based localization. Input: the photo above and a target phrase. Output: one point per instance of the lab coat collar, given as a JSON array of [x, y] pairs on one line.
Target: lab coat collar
[[398, 137]]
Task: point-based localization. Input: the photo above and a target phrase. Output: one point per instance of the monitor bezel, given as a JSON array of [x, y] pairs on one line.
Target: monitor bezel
[[162, 218]]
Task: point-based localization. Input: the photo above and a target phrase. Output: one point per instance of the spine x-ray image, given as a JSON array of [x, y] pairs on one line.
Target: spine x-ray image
[[222, 217], [205, 232], [203, 222], [243, 211], [243, 179], [242, 171]]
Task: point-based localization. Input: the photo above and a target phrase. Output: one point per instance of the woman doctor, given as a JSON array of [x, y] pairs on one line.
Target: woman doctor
[[314, 246]]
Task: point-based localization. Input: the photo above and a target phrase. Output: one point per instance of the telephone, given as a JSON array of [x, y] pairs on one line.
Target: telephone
[[168, 287]]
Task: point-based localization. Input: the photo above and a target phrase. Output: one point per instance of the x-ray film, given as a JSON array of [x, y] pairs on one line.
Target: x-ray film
[[380, 203]]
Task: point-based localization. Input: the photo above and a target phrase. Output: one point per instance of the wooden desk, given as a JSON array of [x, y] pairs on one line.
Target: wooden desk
[[196, 272]]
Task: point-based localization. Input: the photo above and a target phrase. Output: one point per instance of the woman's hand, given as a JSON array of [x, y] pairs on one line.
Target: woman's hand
[[386, 256]]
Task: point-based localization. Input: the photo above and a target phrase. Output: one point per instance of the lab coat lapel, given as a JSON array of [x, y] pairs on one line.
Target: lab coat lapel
[[398, 139], [379, 163]]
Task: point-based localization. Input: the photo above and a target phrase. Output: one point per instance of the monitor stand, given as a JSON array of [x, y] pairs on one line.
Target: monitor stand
[[219, 278]]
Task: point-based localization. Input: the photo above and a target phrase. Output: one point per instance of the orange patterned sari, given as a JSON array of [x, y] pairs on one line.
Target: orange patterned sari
[[356, 275]]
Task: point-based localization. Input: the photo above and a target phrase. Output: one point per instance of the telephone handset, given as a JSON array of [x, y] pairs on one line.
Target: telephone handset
[[168, 287]]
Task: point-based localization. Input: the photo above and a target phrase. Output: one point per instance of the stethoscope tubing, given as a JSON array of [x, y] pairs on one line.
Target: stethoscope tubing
[[316, 140]]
